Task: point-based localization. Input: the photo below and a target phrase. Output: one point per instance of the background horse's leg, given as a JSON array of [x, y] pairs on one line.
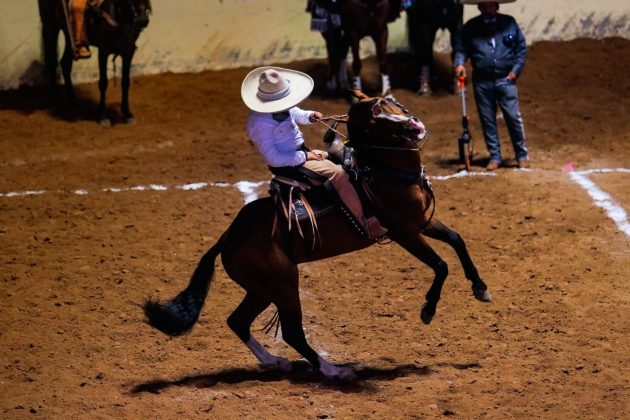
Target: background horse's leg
[[102, 87], [354, 41], [380, 40], [240, 322], [66, 69], [418, 247], [49, 35], [126, 82], [437, 230], [336, 53]]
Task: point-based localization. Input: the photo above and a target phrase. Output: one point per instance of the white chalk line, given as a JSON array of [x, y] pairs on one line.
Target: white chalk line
[[602, 199], [249, 190]]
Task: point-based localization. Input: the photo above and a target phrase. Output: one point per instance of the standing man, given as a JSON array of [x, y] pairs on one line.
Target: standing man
[[497, 50]]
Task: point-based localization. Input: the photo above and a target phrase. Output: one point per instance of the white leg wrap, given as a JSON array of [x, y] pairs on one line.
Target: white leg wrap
[[267, 359], [335, 372], [356, 83]]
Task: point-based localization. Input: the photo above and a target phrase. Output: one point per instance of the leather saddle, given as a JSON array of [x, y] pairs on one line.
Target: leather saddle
[[303, 195]]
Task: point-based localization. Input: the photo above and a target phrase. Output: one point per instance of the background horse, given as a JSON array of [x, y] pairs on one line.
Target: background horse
[[261, 254], [361, 18], [424, 18], [113, 27]]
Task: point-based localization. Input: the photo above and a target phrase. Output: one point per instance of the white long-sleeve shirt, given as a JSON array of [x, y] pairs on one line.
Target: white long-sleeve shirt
[[279, 143]]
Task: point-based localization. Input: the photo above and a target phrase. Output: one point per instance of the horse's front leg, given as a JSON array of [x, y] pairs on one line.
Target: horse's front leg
[[102, 87], [126, 82], [416, 245], [66, 70], [436, 230], [380, 40]]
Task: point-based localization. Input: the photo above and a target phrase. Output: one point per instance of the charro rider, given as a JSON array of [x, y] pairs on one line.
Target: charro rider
[[272, 95]]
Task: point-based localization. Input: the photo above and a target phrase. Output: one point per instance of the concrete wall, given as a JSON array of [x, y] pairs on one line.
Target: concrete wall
[[195, 35]]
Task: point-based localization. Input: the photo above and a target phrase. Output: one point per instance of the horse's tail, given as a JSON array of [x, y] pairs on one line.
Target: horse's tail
[[178, 315]]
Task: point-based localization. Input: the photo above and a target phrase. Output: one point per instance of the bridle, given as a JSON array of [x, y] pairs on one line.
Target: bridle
[[419, 142], [418, 178]]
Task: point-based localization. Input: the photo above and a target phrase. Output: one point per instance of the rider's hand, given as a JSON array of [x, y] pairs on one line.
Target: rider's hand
[[313, 156], [315, 116], [512, 76], [460, 71]]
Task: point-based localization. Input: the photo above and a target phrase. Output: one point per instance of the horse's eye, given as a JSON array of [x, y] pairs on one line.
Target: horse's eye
[[376, 110]]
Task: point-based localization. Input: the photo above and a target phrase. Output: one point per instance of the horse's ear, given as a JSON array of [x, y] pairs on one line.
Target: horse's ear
[[359, 95]]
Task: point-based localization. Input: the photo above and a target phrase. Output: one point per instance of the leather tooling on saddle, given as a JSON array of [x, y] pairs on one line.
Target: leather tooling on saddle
[[298, 199]]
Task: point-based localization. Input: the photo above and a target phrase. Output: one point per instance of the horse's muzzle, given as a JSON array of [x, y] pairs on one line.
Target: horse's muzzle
[[142, 21]]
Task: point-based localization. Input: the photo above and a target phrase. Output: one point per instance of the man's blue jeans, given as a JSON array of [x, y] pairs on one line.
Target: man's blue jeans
[[489, 93]]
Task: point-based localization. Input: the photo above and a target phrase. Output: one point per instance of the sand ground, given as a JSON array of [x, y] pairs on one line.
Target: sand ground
[[78, 260]]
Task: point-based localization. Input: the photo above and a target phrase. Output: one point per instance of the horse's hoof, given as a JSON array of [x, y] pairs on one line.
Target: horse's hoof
[[105, 122], [342, 374], [427, 314], [279, 363], [482, 295], [130, 120]]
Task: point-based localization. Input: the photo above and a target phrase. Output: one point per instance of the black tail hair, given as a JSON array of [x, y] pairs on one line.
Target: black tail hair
[[178, 315]]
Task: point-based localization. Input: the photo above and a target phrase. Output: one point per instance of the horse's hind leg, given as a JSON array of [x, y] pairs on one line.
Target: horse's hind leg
[[380, 41], [436, 230], [290, 312], [240, 322], [354, 42], [418, 247]]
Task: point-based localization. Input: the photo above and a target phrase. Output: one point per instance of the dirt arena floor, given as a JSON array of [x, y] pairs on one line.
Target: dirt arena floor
[[85, 239]]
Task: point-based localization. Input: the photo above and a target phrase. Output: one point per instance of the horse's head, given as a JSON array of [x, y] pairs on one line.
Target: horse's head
[[383, 123], [140, 10], [126, 13]]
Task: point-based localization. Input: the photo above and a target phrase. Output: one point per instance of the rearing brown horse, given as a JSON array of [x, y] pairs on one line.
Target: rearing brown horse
[[264, 261]]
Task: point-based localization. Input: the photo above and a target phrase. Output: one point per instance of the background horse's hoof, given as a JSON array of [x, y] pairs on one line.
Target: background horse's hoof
[[105, 122], [482, 295], [427, 314], [130, 120]]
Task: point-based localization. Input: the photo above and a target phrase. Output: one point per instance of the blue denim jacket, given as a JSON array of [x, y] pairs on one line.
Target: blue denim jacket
[[492, 62]]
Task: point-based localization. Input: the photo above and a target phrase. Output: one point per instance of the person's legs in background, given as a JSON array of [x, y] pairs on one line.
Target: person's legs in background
[[486, 99], [508, 102]]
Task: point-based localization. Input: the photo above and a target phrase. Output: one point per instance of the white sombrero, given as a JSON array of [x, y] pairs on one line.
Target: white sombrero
[[274, 89], [485, 1]]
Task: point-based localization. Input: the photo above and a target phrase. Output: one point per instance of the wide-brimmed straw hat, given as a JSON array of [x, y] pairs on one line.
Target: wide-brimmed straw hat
[[486, 1], [274, 89]]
